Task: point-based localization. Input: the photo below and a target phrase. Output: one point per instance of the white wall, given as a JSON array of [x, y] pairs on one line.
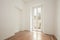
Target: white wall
[[10, 17], [49, 12], [58, 20]]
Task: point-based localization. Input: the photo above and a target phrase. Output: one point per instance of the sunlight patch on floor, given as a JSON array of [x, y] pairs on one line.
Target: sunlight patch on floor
[[36, 35]]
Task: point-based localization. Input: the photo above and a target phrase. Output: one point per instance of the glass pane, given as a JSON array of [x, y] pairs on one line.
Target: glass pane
[[39, 10], [36, 22], [35, 11]]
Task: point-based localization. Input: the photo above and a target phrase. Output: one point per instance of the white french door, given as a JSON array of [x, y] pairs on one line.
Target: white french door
[[35, 19]]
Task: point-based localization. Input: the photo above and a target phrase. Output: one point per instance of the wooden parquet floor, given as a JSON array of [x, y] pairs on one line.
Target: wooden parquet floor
[[26, 35]]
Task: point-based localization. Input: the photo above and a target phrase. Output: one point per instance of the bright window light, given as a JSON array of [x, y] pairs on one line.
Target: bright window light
[[39, 10], [35, 11]]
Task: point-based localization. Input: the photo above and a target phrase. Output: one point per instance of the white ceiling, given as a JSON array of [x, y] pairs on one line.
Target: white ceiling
[[27, 0]]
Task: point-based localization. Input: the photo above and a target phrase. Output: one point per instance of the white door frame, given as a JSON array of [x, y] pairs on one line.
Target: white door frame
[[31, 16]]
